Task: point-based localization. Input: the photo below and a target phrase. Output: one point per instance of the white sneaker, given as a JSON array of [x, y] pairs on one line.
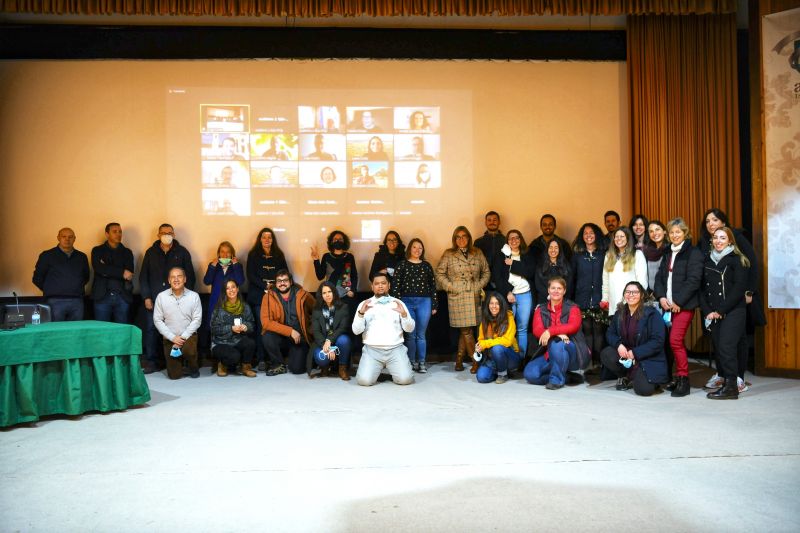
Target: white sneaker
[[715, 382], [743, 386], [423, 369]]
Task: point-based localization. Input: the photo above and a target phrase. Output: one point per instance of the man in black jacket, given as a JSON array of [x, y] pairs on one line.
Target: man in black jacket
[[164, 255], [491, 242], [61, 273], [112, 290]]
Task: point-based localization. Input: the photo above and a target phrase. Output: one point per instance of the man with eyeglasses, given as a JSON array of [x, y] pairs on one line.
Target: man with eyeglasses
[[165, 254], [177, 314], [285, 319]]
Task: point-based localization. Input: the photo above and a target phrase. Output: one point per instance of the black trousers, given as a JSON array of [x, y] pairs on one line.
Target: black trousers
[[276, 346], [726, 335], [232, 355], [641, 386]]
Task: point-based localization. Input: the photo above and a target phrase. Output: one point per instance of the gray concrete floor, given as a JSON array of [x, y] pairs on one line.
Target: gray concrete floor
[[445, 454]]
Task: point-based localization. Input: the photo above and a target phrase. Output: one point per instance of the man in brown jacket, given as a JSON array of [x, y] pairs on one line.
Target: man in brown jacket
[[285, 319]]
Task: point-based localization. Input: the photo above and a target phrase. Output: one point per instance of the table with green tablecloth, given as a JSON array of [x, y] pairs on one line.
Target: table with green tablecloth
[[69, 368]]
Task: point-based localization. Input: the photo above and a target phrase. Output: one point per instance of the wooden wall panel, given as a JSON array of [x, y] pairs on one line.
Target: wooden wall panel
[[777, 344]]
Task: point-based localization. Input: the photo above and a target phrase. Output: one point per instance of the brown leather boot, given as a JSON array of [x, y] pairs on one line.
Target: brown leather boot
[[247, 370], [325, 371], [460, 354], [344, 373], [469, 341], [221, 370]]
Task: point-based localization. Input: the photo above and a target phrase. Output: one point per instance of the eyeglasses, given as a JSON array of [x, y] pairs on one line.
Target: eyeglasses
[[391, 240], [632, 293], [282, 280], [461, 236], [513, 238]]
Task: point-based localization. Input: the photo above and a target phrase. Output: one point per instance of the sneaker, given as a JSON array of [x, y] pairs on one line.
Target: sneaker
[[277, 371], [623, 383], [422, 369], [715, 382], [415, 367], [743, 386], [501, 378], [553, 386]]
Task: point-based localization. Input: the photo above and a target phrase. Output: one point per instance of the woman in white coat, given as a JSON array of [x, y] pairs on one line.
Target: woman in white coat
[[623, 264]]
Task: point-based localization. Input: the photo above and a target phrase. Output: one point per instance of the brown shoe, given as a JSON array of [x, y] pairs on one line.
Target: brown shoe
[[221, 370], [474, 369], [247, 370], [344, 373], [325, 371]]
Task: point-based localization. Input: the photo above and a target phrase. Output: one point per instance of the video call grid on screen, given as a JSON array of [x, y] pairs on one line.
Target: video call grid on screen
[[244, 153]]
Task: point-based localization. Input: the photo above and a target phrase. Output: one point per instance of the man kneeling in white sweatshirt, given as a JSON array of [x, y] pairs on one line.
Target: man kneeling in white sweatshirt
[[382, 320]]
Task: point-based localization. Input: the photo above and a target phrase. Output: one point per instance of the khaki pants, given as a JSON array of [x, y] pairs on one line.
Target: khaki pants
[[175, 364]]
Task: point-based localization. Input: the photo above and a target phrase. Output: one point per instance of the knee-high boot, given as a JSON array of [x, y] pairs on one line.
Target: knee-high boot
[[460, 353], [469, 342]]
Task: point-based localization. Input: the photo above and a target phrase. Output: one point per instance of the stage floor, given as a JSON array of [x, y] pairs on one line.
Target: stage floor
[[287, 453]]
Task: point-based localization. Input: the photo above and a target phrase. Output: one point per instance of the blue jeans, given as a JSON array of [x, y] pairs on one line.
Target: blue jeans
[[111, 305], [419, 307], [344, 344], [65, 309], [562, 356], [497, 359], [522, 316]]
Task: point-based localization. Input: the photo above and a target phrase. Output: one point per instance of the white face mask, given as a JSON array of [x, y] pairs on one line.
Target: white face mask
[[166, 240]]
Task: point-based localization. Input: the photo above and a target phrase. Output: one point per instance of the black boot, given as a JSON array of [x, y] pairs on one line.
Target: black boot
[[729, 391], [672, 384], [681, 387]]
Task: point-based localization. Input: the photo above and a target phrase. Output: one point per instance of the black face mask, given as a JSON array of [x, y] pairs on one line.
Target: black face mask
[[338, 245]]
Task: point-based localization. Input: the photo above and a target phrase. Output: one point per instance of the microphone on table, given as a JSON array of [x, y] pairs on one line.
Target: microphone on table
[[12, 320]]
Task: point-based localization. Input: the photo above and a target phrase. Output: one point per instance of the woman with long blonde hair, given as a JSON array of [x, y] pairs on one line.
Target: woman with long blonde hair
[[623, 264]]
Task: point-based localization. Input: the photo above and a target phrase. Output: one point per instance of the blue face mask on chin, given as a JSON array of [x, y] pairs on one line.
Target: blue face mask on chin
[[383, 300]]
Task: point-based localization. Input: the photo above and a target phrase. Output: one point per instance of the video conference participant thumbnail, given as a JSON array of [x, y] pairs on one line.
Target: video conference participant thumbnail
[[426, 175], [225, 174], [273, 174], [370, 147], [230, 202], [416, 119], [224, 146], [321, 147], [269, 117], [374, 175], [221, 118], [320, 119], [369, 119], [416, 147], [326, 175], [273, 146]]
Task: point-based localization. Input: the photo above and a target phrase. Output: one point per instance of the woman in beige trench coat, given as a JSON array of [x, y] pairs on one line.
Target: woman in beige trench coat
[[463, 272]]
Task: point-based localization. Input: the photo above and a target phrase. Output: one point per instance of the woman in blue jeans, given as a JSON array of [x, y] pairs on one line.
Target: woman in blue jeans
[[496, 342], [415, 284], [557, 325], [330, 323], [513, 272]]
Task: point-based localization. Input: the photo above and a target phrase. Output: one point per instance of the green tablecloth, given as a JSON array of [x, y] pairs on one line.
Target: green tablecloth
[[69, 368]]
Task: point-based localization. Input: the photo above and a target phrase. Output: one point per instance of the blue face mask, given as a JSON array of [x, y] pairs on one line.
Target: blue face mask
[[627, 363], [384, 300], [175, 352]]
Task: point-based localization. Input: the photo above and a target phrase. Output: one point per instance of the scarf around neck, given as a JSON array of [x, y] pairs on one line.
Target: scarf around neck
[[717, 256]]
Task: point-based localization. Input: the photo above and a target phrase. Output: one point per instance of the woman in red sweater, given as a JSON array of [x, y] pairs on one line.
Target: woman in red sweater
[[557, 325]]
